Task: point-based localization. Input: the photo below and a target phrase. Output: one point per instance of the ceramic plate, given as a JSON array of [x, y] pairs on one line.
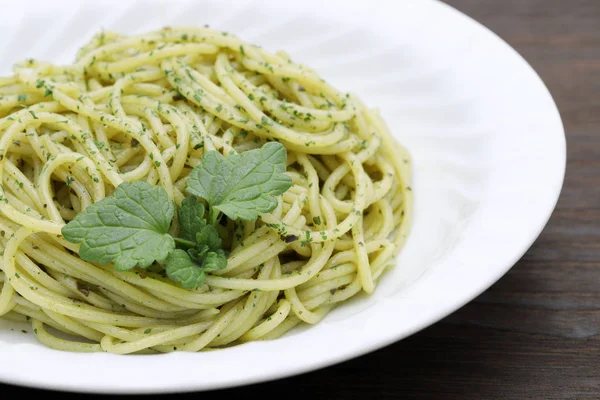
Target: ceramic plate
[[486, 138]]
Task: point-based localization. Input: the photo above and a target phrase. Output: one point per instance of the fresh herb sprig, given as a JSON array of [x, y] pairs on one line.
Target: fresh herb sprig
[[131, 227]]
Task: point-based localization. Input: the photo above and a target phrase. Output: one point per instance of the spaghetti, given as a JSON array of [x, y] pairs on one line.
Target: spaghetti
[[148, 107]]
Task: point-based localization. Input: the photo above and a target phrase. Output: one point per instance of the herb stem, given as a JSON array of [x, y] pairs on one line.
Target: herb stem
[[213, 216], [184, 244]]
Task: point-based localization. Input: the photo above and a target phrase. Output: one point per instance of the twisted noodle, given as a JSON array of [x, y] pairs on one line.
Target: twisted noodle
[[147, 108]]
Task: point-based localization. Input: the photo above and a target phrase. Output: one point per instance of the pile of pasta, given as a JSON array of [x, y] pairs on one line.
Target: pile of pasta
[[148, 107]]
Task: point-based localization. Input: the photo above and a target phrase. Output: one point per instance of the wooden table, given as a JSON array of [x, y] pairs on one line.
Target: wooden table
[[534, 334]]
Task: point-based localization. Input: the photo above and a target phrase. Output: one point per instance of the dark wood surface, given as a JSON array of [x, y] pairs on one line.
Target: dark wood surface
[[535, 333]]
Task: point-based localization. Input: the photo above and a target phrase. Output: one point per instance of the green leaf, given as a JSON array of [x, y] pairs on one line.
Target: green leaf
[[199, 252], [181, 268], [208, 244], [190, 267], [209, 237], [241, 185], [191, 218], [215, 260], [128, 228]]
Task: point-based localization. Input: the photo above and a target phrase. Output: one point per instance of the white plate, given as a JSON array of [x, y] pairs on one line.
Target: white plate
[[485, 134]]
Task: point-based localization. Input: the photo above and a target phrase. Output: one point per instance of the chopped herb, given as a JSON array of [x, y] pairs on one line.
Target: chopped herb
[[290, 238]]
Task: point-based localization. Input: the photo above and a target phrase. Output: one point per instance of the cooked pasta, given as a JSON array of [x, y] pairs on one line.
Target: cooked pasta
[[148, 108]]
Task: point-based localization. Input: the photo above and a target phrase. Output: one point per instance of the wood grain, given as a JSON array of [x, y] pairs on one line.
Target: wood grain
[[534, 334]]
